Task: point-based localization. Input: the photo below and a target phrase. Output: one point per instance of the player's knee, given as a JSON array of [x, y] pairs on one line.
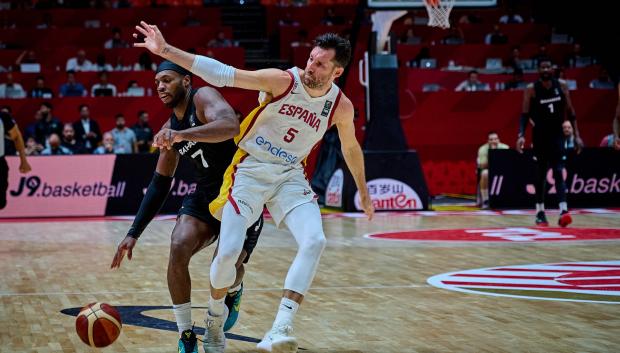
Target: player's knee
[[180, 250], [315, 243]]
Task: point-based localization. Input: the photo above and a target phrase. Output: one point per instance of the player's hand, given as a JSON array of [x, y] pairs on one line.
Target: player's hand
[[24, 167], [367, 206], [153, 39], [126, 245], [520, 144], [165, 138]]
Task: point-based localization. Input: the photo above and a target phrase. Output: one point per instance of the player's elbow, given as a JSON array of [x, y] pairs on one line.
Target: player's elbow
[[233, 129]]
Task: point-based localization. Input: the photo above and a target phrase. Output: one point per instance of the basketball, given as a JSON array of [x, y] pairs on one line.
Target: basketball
[[98, 324]]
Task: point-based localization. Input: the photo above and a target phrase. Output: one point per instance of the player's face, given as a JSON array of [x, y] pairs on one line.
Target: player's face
[[545, 70], [320, 70], [170, 87]]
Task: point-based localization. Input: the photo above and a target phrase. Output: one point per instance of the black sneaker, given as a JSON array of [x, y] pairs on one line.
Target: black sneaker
[[188, 342], [541, 219]]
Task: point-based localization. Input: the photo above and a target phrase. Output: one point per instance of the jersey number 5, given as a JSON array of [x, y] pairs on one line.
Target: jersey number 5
[[290, 135], [202, 157]]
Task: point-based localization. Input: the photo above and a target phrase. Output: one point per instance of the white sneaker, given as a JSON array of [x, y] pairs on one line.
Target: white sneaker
[[215, 340], [278, 340]]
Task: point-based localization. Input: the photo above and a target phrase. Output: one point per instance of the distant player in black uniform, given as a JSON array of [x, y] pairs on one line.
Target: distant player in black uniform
[[201, 129], [9, 128], [546, 105]]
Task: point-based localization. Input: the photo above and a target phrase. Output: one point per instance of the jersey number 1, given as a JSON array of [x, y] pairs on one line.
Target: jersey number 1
[[550, 107], [202, 157]]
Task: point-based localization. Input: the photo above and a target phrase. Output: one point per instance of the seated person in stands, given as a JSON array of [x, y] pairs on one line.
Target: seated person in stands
[[483, 164], [541, 55], [571, 58], [133, 90], [70, 142], [511, 17], [613, 140], [32, 147], [72, 88], [46, 123], [40, 91], [124, 137], [472, 83], [288, 20], [569, 135], [302, 40], [79, 62], [191, 20], [220, 41], [560, 75], [603, 81], [424, 53], [454, 37], [144, 133], [103, 87], [514, 60], [27, 57], [330, 18], [54, 147], [145, 63], [101, 64], [120, 64], [496, 36], [108, 145], [517, 82], [11, 89], [116, 41], [410, 38]]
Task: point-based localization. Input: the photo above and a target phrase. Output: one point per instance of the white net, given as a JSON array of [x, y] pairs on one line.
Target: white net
[[439, 12]]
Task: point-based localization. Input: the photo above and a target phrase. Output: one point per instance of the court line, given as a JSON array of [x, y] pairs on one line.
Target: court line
[[409, 286]]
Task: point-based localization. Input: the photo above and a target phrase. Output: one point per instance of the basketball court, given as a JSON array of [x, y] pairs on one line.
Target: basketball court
[[370, 294]]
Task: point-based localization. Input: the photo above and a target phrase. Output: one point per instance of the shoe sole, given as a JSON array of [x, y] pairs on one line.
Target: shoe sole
[[285, 346], [565, 220], [542, 224]]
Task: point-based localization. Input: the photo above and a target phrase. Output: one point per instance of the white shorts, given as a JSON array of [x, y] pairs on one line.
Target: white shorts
[[249, 184]]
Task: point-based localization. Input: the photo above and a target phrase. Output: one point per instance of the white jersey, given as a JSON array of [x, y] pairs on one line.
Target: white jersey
[[284, 130]]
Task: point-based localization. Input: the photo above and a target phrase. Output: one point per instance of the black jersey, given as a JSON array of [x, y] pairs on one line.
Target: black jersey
[[547, 110], [209, 159]]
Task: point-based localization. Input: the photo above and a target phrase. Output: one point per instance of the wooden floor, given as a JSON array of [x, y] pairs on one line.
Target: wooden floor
[[368, 296]]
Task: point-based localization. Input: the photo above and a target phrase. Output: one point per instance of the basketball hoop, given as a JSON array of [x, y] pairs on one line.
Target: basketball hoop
[[439, 12]]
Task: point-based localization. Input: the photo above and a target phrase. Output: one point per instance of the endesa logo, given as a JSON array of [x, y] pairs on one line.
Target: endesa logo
[[390, 194], [276, 151]]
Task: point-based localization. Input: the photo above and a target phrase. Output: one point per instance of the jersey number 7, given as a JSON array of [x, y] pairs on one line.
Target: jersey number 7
[[202, 157]]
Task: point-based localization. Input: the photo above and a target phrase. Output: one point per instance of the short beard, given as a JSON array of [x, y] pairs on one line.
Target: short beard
[[177, 98], [545, 77]]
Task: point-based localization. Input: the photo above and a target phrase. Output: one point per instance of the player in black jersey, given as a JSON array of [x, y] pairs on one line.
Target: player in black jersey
[[546, 105], [201, 129]]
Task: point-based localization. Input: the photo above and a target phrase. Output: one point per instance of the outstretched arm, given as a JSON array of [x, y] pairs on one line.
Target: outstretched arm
[[352, 152], [272, 81], [18, 140]]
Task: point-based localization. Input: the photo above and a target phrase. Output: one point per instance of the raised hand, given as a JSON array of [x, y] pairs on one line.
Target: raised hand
[[153, 39]]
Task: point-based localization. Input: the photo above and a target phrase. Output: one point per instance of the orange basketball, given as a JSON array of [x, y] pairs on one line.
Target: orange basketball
[[433, 2], [98, 324]]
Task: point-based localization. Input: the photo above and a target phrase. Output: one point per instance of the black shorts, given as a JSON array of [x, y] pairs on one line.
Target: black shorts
[[549, 150], [4, 181], [196, 205]]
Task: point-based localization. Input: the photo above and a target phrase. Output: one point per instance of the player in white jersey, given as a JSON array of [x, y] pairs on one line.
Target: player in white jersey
[[267, 169]]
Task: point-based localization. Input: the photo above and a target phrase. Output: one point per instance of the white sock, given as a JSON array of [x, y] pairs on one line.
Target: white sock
[[286, 312], [216, 306], [183, 315], [540, 207], [234, 289], [563, 206], [485, 195]]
